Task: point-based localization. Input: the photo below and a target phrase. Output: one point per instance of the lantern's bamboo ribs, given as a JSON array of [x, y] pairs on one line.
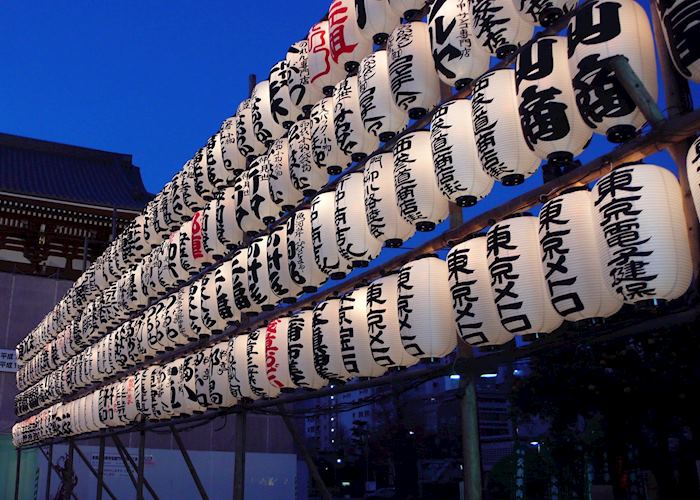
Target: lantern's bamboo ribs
[[92, 469], [188, 462]]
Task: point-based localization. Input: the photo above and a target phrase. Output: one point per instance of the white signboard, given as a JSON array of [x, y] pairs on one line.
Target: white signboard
[[8, 361]]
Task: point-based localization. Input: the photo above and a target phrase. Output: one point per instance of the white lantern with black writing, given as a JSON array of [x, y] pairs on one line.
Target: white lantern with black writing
[[262, 204], [348, 45], [302, 93], [679, 24], [602, 29], [301, 351], [202, 373], [306, 175], [503, 152], [218, 175], [355, 241], [350, 133], [284, 111], [376, 19], [239, 279], [324, 237], [267, 130], [218, 307], [258, 276], [544, 12], [328, 355], [281, 282], [326, 153], [233, 159], [473, 304], [220, 395], [498, 26], [693, 171], [571, 258], [245, 218], [257, 365], [302, 264], [354, 336], [277, 354], [227, 235], [246, 140], [282, 189], [645, 243], [324, 71], [239, 383], [415, 85], [517, 278], [417, 193], [457, 167]]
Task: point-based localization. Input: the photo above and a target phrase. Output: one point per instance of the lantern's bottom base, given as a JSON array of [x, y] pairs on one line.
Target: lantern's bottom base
[[338, 276], [268, 220], [512, 179], [380, 38], [649, 304], [351, 67], [588, 323], [286, 390], [360, 263], [334, 170], [328, 91], [506, 50], [425, 226], [558, 164], [531, 337], [306, 109], [387, 136], [289, 300], [621, 133], [393, 243], [267, 307], [309, 192], [549, 16], [358, 157], [466, 201], [287, 208], [490, 348], [417, 113], [309, 289], [410, 14], [463, 83], [287, 125]]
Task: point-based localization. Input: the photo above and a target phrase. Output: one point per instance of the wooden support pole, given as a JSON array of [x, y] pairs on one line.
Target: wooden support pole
[[239, 464], [190, 465]]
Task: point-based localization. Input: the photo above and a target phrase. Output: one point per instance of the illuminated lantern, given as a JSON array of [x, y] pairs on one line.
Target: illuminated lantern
[[417, 193], [544, 13], [407, 8], [191, 251], [281, 282], [326, 153], [678, 20], [228, 233], [376, 19], [503, 151], [415, 85], [207, 243], [457, 167], [458, 57], [126, 410], [162, 400], [350, 133], [284, 111], [324, 72], [383, 323], [355, 242], [267, 130], [301, 351], [426, 326], [239, 276], [282, 188], [498, 26], [217, 173], [328, 356], [246, 140], [218, 305], [174, 272], [239, 383], [301, 92], [186, 390], [306, 177], [693, 169], [202, 371], [302, 265], [234, 161], [245, 219], [257, 365], [191, 308], [262, 205], [324, 237], [381, 116], [517, 278], [571, 258], [551, 123], [354, 336], [258, 277], [190, 197], [473, 303], [220, 395], [348, 44], [381, 208], [277, 354], [645, 243], [142, 390], [602, 29]]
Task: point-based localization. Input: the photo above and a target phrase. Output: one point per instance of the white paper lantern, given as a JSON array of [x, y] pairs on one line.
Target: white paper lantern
[[407, 8], [324, 72], [301, 92], [186, 390], [282, 188], [517, 279], [599, 30], [245, 219], [220, 395], [246, 140], [644, 245], [234, 161], [257, 365], [125, 402], [457, 167], [415, 85], [354, 239], [284, 111], [503, 152], [383, 323], [571, 258], [262, 204], [239, 275], [219, 309], [381, 208], [192, 310], [302, 264], [267, 130], [350, 133], [239, 384], [190, 239], [551, 123], [301, 351], [679, 24], [324, 237], [281, 282], [218, 175], [498, 26], [693, 171], [228, 233], [381, 116], [473, 304], [277, 354], [306, 176], [348, 45], [424, 305], [328, 356], [259, 286], [354, 336], [326, 153], [417, 193], [202, 372], [545, 13], [206, 187], [458, 57], [376, 19]]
